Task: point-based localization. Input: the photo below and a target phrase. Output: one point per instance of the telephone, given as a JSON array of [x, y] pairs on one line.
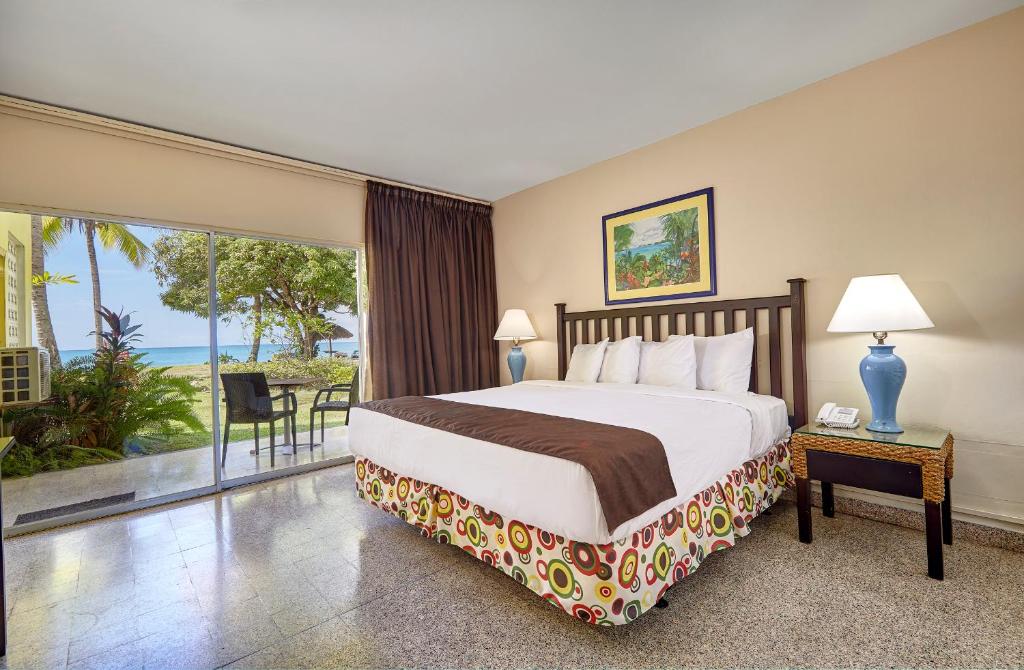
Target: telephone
[[838, 417]]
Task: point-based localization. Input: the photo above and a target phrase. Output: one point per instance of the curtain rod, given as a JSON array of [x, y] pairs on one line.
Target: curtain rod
[[42, 111]]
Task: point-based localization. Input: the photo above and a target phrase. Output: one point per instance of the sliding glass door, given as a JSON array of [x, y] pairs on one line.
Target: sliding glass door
[[140, 322], [288, 330], [128, 420]]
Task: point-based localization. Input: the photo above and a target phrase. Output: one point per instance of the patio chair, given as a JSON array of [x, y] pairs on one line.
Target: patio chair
[[330, 405], [249, 401]]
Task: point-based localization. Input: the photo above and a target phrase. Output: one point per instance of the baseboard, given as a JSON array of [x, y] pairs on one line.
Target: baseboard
[[974, 525], [962, 512]]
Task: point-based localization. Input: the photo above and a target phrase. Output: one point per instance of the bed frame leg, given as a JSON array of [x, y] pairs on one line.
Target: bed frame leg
[[661, 604]]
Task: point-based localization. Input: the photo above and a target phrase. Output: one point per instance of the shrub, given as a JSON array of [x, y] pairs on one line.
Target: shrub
[[97, 404], [325, 370]]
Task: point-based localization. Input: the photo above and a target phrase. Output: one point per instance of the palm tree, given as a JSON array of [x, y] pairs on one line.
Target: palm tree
[[111, 236], [41, 305], [623, 237], [679, 227]]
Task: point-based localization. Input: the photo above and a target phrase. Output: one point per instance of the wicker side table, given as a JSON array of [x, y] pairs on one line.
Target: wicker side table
[[917, 463]]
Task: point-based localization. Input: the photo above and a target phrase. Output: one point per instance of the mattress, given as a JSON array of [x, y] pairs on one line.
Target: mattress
[[705, 434]]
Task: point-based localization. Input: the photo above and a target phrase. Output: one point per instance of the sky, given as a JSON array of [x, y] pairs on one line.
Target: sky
[[135, 291], [648, 231]]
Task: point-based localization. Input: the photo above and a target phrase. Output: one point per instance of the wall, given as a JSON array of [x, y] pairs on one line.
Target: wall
[[911, 164], [82, 164]]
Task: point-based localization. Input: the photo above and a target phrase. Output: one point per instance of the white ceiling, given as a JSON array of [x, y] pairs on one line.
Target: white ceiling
[[478, 97]]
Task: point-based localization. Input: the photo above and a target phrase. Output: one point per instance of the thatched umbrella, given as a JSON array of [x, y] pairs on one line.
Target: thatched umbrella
[[335, 333]]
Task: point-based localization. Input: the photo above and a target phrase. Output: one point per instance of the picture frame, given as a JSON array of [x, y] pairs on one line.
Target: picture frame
[[663, 250]]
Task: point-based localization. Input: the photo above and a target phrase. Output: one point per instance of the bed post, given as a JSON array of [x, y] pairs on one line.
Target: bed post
[[797, 316], [560, 334]]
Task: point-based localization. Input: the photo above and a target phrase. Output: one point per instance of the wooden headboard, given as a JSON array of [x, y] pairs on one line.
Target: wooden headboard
[[656, 322]]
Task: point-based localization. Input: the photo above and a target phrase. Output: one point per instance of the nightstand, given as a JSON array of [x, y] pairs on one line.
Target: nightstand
[[917, 463]]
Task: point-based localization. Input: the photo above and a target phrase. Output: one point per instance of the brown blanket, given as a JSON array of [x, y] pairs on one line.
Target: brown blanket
[[628, 466]]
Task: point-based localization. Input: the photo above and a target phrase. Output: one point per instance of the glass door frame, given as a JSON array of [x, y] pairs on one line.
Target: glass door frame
[[220, 483]]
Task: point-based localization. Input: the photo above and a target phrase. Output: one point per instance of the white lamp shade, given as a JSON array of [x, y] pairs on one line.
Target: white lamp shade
[[515, 325], [878, 303]]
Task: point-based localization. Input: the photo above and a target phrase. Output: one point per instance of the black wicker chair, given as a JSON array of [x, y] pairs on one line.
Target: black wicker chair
[[331, 405], [249, 401]]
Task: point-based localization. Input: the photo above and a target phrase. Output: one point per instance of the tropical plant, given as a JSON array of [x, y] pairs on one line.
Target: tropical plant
[[99, 403], [680, 228], [53, 279], [623, 236], [111, 236], [40, 302]]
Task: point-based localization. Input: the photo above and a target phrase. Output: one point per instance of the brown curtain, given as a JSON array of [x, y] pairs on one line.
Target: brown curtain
[[433, 303]]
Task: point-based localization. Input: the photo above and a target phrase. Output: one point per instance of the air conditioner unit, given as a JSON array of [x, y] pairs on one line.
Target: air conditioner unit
[[24, 375]]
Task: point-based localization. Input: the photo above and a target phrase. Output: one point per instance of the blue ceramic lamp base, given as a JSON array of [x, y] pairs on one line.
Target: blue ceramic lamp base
[[516, 363], [883, 374]]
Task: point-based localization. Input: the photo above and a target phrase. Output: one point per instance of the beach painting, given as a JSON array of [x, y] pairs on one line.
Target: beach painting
[[661, 251]]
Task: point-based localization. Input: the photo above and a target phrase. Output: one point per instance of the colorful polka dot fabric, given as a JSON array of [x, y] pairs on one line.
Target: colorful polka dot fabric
[[604, 584]]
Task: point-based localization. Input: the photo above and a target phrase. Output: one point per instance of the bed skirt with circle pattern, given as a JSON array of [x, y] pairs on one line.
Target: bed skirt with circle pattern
[[607, 584]]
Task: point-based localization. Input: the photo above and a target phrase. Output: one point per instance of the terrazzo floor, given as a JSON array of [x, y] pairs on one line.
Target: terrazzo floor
[[300, 573]]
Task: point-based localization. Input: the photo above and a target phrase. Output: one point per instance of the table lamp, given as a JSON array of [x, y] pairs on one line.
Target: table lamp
[[515, 325], [878, 304]]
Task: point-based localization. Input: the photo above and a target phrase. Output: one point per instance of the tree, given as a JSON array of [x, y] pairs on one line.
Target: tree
[[266, 283], [40, 301], [623, 237], [680, 228], [111, 236]]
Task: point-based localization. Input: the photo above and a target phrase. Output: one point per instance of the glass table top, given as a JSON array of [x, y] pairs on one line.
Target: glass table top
[[923, 437]]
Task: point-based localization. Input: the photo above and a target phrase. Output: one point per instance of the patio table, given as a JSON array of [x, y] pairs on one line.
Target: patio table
[[288, 384]]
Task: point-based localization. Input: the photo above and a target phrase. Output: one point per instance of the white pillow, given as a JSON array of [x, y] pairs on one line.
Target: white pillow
[[621, 361], [723, 361], [669, 363], [585, 364]]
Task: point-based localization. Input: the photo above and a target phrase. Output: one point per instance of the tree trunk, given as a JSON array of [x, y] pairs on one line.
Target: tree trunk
[[257, 329], [308, 339], [94, 271], [40, 304]]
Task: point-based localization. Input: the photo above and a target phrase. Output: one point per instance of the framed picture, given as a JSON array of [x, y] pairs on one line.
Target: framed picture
[[661, 251]]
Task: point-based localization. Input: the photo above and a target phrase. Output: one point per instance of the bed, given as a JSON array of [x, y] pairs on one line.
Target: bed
[[540, 519]]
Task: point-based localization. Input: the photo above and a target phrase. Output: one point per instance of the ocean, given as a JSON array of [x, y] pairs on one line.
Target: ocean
[[166, 356], [647, 250]]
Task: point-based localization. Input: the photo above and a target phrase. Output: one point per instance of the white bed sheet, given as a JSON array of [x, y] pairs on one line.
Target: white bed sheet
[[705, 434]]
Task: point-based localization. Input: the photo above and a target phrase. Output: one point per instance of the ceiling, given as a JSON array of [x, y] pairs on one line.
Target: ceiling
[[478, 97]]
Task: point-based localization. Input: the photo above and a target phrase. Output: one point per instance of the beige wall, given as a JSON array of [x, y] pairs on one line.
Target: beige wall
[[57, 164], [911, 164]]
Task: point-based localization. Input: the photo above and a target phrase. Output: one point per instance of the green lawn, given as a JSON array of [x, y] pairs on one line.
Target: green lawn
[[188, 439]]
